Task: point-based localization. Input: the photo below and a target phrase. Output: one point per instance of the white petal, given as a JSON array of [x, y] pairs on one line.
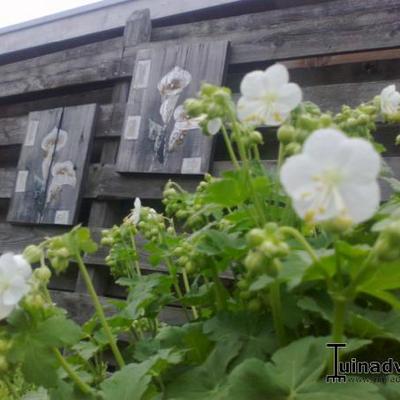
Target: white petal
[[15, 292], [214, 126], [251, 111], [254, 84], [5, 310], [362, 201], [324, 145], [388, 90], [23, 266], [273, 116], [363, 162], [297, 174], [277, 76], [290, 96]]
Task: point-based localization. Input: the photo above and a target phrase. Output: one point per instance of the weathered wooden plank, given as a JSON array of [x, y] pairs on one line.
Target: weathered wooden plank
[[105, 183], [80, 307], [102, 17], [52, 164], [158, 137], [334, 27], [267, 36]]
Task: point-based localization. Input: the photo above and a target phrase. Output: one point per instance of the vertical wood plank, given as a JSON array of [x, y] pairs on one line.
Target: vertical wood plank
[[102, 213], [157, 136]]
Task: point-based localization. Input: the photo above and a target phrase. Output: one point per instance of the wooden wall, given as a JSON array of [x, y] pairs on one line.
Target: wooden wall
[[341, 51]]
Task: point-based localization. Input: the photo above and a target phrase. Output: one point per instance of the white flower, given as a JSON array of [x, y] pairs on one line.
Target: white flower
[[15, 272], [335, 177], [267, 96], [390, 100], [134, 216]]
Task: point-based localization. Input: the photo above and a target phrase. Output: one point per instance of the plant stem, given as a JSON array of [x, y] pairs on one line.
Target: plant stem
[[338, 320], [300, 238], [276, 307], [84, 387], [229, 147], [100, 312], [187, 288], [136, 263], [221, 301], [280, 155]]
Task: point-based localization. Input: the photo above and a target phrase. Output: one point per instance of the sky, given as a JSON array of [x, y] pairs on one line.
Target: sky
[[16, 11]]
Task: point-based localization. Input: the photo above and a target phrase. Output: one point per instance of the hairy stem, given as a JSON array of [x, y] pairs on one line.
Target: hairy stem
[[187, 288], [84, 387], [229, 147], [99, 311]]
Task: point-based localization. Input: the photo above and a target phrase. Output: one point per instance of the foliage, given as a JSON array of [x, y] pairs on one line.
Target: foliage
[[261, 289]]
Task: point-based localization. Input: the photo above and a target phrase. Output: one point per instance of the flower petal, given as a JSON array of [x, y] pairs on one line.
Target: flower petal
[[277, 75], [290, 96], [214, 125], [324, 145], [15, 292], [254, 84], [23, 267], [362, 201], [251, 111], [363, 163]]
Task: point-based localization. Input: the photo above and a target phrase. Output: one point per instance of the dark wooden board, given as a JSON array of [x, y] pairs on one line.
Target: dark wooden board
[[52, 164], [156, 137]]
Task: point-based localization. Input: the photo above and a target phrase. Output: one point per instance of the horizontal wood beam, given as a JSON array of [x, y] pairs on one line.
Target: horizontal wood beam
[[89, 20]]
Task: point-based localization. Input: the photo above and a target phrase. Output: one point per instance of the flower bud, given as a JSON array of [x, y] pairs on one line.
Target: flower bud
[[43, 274], [397, 142], [286, 134], [255, 237], [338, 225], [194, 107], [292, 149], [33, 254], [256, 137], [254, 260]]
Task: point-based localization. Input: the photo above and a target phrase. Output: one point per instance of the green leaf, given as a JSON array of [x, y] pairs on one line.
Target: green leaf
[[293, 374]]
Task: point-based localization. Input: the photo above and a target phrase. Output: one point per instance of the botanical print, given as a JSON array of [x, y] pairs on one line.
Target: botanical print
[[63, 173], [171, 87], [48, 188]]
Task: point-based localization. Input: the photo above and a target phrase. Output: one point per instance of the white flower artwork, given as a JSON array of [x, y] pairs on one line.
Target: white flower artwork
[[268, 97], [49, 146], [63, 173], [335, 177], [390, 101], [171, 87]]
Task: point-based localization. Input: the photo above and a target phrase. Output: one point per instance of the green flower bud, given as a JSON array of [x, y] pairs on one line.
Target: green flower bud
[[190, 267], [397, 141], [254, 260], [292, 149], [33, 254], [208, 90], [43, 274], [255, 237], [325, 120], [107, 241], [308, 122], [256, 137], [194, 107], [286, 134]]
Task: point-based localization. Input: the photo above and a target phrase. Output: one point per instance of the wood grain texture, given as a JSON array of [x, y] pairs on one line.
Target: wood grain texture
[[155, 138], [52, 165]]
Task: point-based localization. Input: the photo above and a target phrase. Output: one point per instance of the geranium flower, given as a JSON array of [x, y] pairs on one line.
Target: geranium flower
[[390, 101], [334, 177], [15, 272], [267, 96]]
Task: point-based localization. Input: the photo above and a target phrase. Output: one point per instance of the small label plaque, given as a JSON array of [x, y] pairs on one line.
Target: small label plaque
[[22, 178], [132, 127], [31, 133], [191, 165], [61, 217], [142, 74]]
